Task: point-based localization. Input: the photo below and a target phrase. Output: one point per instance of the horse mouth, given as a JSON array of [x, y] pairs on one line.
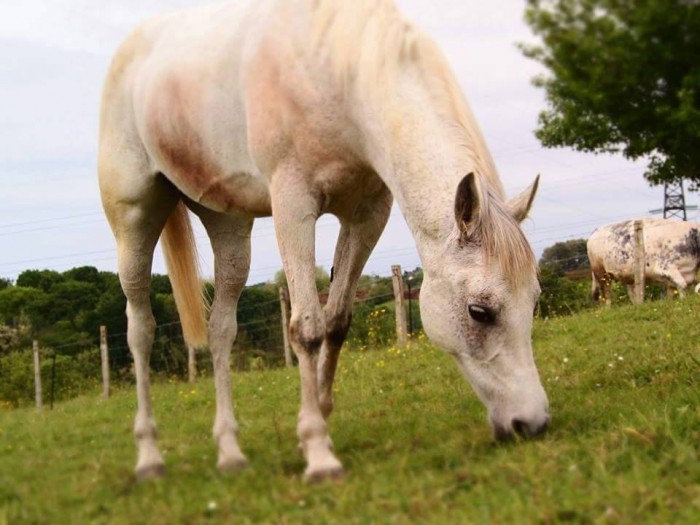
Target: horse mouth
[[519, 429]]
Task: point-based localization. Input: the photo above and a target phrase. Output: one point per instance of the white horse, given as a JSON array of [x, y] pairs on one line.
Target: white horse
[[296, 108]]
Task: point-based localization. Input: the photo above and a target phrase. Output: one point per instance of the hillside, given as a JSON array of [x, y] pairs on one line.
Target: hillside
[[623, 446]]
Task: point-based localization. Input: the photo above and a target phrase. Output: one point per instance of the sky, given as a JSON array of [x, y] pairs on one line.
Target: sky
[[54, 55]]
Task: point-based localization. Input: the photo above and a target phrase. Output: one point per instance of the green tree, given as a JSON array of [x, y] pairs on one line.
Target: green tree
[[39, 279], [565, 256], [625, 76], [160, 284], [9, 339], [67, 299], [323, 279], [83, 274], [18, 302]]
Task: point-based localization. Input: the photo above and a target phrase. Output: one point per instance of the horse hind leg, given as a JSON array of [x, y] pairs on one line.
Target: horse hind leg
[[230, 241], [137, 205], [356, 241]]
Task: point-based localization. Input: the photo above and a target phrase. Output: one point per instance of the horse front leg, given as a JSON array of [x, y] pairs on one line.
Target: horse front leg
[[356, 241], [295, 213]]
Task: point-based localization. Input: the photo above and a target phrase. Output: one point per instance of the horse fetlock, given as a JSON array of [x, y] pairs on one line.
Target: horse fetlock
[[224, 431], [145, 430], [227, 440], [311, 427]]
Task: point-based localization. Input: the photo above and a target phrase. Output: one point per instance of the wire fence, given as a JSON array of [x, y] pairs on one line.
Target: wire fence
[[75, 368], [260, 342]]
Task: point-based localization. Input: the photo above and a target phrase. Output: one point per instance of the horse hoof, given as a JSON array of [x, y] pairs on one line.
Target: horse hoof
[[232, 465], [321, 475], [155, 471]]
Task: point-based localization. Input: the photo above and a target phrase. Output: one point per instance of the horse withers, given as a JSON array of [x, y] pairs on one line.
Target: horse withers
[[297, 108]]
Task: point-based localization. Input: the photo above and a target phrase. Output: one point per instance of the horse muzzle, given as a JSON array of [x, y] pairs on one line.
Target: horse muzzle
[[520, 427]]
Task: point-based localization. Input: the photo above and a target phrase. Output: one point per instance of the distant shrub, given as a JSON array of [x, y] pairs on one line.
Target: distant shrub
[[561, 295], [570, 293], [372, 326], [74, 375]]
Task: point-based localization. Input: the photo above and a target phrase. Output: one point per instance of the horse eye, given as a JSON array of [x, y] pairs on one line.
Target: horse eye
[[481, 314]]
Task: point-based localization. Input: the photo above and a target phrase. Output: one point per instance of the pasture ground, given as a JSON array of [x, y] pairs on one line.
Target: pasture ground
[[623, 446]]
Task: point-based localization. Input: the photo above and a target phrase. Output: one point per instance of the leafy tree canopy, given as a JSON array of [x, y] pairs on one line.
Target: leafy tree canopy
[[625, 76], [323, 278], [565, 256], [39, 279], [19, 301]]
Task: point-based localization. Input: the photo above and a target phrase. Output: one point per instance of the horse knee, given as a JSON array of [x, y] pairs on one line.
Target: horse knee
[[306, 331]]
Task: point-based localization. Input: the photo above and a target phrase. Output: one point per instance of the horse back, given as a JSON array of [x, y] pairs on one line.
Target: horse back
[[221, 97]]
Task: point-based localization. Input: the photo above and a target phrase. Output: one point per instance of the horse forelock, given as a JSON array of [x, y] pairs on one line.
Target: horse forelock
[[502, 239]]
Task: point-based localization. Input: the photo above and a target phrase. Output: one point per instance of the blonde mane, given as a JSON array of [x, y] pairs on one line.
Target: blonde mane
[[368, 43]]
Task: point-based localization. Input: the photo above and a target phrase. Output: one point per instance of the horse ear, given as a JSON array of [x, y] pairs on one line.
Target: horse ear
[[519, 206], [466, 202]]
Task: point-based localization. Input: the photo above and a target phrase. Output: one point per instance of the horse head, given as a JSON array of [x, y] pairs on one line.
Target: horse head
[[477, 303]]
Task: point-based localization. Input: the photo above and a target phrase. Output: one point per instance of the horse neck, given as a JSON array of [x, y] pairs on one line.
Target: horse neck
[[421, 156]]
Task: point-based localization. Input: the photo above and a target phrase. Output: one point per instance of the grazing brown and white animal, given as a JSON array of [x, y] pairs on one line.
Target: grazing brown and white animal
[[296, 108], [672, 254]]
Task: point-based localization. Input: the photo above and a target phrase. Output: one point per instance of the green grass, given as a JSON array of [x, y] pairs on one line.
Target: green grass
[[623, 445]]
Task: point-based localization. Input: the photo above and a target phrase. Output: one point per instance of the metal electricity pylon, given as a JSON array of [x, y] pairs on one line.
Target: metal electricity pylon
[[674, 201]]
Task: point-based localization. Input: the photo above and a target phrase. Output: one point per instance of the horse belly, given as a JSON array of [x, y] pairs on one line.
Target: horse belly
[[198, 141]]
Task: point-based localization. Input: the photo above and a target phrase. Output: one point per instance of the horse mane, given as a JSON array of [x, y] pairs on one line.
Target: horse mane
[[369, 43]]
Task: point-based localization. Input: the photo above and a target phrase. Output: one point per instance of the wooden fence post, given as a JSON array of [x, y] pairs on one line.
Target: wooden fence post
[[104, 353], [37, 375], [191, 363], [639, 263], [401, 328], [285, 327]]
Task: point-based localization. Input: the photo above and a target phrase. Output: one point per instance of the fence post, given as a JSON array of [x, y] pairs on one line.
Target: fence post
[[639, 263], [37, 375], [104, 353], [401, 328], [191, 363], [285, 327], [53, 377]]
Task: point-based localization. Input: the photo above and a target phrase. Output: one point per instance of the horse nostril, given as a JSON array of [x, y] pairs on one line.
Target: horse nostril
[[528, 430], [520, 428]]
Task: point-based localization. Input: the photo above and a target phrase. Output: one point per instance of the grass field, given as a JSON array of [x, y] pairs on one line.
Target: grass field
[[623, 446]]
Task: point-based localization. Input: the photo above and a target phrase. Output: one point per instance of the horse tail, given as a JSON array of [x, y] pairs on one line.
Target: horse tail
[[180, 251]]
